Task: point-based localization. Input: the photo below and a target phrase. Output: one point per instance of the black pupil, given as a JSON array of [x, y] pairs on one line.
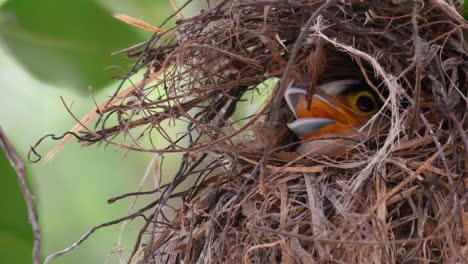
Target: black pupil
[[365, 104]]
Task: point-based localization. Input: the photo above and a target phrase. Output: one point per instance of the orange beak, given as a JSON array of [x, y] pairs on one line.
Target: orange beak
[[326, 114]]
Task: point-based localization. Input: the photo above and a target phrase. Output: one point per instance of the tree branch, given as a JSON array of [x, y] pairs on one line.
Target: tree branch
[[18, 165]]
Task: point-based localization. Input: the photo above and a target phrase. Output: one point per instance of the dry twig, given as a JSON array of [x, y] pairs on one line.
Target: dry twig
[[18, 166]]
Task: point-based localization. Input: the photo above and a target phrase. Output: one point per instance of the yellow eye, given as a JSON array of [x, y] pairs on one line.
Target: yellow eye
[[364, 102]]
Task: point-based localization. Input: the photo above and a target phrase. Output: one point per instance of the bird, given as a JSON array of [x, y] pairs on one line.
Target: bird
[[335, 118]]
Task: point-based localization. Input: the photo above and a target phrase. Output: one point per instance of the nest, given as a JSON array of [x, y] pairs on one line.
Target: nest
[[398, 197]]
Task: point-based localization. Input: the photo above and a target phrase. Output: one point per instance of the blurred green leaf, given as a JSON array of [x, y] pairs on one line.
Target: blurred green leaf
[[16, 240], [66, 43], [465, 9], [14, 250]]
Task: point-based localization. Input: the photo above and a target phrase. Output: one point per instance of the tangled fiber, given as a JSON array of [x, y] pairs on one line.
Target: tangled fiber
[[398, 197]]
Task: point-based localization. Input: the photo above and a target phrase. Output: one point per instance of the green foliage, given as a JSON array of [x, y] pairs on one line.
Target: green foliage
[[66, 43], [16, 238], [465, 9]]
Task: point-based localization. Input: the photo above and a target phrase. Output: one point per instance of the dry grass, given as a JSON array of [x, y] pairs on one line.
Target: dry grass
[[399, 197]]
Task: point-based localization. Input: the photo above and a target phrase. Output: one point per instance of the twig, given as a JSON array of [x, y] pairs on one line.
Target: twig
[[282, 86], [409, 179], [459, 127], [95, 228], [18, 165], [176, 9], [417, 63], [344, 242]]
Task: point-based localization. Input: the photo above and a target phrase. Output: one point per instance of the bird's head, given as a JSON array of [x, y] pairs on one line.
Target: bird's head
[[338, 109]]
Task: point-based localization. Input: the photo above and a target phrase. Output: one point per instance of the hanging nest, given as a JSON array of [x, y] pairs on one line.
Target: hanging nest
[[400, 196]]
